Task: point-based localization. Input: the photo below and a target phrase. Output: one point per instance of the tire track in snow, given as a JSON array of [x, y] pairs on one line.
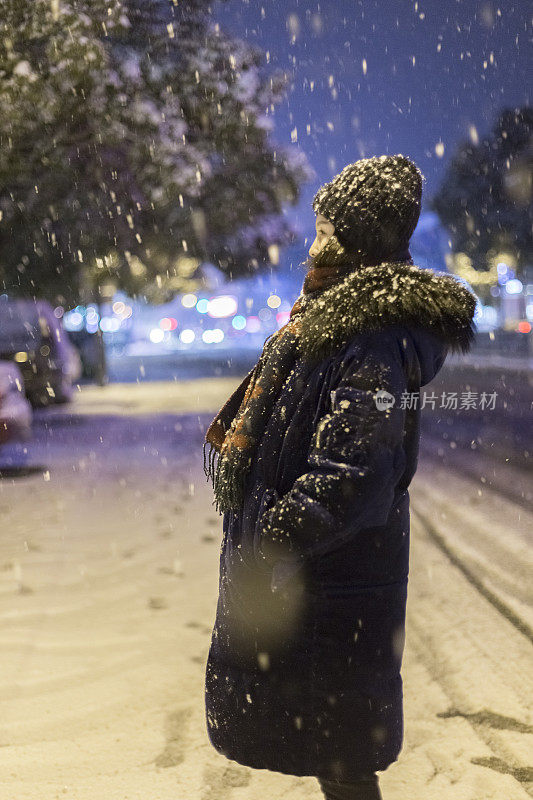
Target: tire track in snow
[[477, 583], [486, 470], [481, 665]]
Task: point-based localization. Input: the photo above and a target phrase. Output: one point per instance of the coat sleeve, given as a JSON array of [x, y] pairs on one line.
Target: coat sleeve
[[355, 460]]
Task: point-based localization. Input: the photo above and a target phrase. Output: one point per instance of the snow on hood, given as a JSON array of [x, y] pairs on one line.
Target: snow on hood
[[393, 292]]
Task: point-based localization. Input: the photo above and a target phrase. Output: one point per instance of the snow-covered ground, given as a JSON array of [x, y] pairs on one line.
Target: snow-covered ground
[[109, 562]]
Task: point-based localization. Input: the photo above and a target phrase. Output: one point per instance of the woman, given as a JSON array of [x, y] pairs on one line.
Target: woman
[[316, 449]]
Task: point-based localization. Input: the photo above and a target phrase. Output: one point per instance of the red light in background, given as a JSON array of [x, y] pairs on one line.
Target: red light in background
[[524, 327], [253, 324], [168, 324]]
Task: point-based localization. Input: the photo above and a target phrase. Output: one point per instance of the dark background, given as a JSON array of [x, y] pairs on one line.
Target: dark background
[[398, 106]]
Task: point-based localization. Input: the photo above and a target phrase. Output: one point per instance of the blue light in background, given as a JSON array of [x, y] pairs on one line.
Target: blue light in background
[[239, 322], [514, 286], [73, 321]]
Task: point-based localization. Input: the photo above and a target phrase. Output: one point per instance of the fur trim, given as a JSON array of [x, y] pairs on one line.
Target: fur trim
[[391, 293]]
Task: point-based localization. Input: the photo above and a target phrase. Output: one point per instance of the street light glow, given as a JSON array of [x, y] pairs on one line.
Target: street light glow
[[189, 300], [224, 305]]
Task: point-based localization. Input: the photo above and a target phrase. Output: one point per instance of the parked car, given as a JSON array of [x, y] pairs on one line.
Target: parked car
[[15, 410], [34, 339]]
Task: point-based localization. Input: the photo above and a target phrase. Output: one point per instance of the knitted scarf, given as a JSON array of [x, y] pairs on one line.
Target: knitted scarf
[[239, 425]]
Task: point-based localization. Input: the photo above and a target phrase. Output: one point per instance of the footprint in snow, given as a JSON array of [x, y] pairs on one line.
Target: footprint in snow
[[219, 782], [157, 602], [176, 725]]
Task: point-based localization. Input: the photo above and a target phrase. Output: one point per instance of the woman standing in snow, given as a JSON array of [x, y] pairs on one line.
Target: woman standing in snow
[[316, 450]]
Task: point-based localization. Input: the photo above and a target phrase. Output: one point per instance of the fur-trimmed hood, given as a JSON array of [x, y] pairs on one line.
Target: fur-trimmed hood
[[390, 293]]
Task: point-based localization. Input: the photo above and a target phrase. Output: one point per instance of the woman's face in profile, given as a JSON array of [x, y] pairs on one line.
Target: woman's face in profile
[[324, 229]]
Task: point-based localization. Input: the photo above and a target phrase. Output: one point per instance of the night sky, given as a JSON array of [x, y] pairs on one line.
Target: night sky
[[436, 73]]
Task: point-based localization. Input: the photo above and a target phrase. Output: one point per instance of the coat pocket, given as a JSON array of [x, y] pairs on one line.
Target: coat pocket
[[285, 570], [269, 498]]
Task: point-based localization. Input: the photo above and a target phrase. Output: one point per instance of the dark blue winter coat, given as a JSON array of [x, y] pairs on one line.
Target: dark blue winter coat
[[303, 673]]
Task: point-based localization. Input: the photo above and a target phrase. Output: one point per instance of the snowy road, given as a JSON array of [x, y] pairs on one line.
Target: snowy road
[[108, 588]]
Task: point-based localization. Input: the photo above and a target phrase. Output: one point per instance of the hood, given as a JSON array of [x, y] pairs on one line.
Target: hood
[[437, 309], [431, 352]]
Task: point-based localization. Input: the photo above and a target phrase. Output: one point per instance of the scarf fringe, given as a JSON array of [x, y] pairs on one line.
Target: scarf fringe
[[209, 471], [226, 478]]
